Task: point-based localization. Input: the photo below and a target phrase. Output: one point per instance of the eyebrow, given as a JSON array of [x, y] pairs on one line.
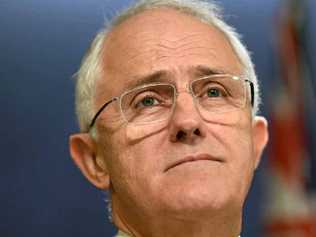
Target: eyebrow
[[202, 70], [165, 76], [158, 76]]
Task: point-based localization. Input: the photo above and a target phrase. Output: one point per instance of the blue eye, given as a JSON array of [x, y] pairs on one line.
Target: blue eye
[[212, 92], [148, 101]]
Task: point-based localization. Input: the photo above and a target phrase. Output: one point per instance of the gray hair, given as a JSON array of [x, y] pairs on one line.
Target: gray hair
[[207, 12]]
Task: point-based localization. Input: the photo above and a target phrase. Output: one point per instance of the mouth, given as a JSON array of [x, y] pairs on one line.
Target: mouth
[[194, 158]]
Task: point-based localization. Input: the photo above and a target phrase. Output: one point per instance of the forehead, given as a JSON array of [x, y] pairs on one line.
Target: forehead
[[163, 40]]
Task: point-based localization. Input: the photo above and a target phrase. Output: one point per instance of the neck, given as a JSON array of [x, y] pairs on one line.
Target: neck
[[142, 225]]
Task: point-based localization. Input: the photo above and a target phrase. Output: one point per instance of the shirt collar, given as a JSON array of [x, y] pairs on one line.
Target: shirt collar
[[122, 234]]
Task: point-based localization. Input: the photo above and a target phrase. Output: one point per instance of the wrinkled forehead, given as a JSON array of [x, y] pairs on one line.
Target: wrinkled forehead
[[164, 39]]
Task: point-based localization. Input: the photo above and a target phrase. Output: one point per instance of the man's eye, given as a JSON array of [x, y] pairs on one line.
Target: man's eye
[[214, 92], [147, 102]]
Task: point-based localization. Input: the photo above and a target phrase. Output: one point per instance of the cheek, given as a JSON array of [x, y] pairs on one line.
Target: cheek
[[144, 145], [135, 168], [134, 156], [236, 141], [138, 133], [241, 152], [113, 150], [235, 137], [243, 162]]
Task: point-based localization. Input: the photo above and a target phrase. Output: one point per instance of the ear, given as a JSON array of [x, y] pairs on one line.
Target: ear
[[260, 137], [83, 151]]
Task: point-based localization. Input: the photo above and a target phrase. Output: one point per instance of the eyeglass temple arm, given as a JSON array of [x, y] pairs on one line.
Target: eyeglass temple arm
[[252, 92], [100, 111]]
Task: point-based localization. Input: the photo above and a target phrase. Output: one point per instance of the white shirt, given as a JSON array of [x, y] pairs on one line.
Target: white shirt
[[122, 234]]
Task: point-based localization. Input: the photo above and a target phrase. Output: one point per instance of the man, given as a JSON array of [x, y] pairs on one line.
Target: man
[[167, 99]]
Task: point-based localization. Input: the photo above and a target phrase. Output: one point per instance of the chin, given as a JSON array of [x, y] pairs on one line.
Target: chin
[[197, 200]]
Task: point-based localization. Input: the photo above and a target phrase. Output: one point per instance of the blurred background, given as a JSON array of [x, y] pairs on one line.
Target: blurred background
[[41, 46]]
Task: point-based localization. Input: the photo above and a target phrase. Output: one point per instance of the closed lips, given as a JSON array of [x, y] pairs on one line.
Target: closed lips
[[193, 158]]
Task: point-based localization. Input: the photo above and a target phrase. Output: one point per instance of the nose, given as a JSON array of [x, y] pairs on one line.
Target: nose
[[186, 124]]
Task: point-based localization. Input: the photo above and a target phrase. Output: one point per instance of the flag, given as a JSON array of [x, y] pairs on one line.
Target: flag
[[290, 208]]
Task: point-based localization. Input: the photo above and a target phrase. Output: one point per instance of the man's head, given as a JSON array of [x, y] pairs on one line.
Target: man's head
[[178, 140]]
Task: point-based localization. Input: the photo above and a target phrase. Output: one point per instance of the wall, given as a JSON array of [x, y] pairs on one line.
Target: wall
[[41, 45]]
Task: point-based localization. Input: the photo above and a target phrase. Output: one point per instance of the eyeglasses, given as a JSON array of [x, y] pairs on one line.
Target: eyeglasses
[[215, 94]]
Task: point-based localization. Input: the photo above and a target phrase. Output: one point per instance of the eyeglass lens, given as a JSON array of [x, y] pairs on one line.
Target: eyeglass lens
[[214, 95]]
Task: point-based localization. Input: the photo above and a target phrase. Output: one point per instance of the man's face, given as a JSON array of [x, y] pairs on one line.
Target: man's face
[[148, 165]]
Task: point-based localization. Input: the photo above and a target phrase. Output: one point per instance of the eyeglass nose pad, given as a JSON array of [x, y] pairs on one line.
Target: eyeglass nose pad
[[188, 91], [186, 103]]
